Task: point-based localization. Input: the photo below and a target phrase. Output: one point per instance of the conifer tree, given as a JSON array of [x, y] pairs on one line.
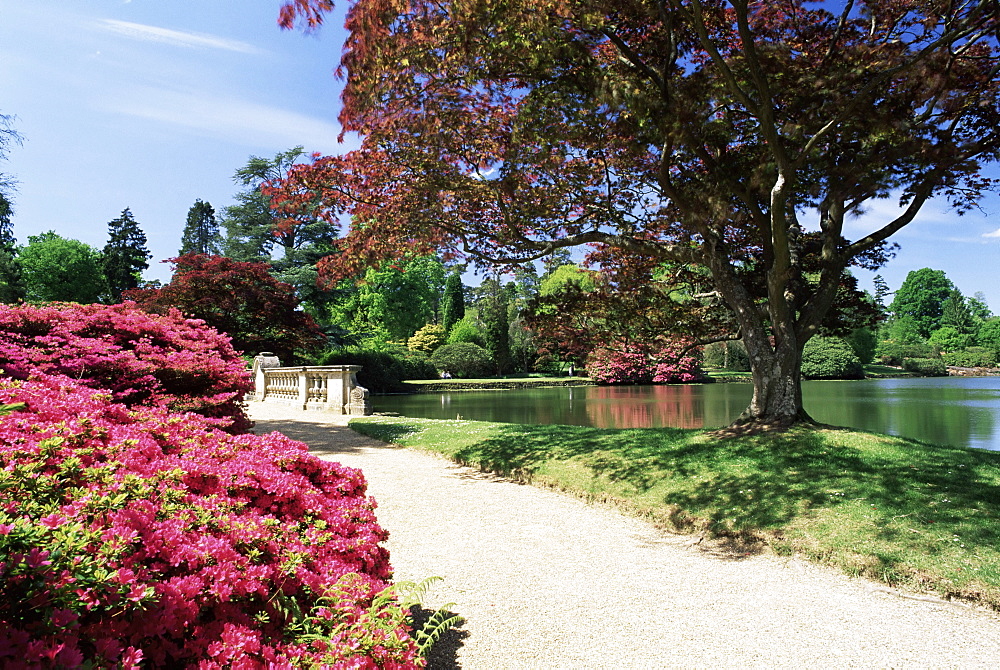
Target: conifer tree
[[124, 256], [493, 312], [453, 301], [201, 232]]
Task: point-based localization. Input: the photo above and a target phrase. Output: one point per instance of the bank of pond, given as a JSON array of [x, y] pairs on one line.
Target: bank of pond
[[956, 411]]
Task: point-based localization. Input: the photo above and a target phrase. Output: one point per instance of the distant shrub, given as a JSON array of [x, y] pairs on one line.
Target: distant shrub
[[467, 329], [890, 352], [382, 370], [727, 355], [427, 339], [640, 365], [141, 537], [163, 360], [463, 360], [973, 357], [926, 367], [830, 358]]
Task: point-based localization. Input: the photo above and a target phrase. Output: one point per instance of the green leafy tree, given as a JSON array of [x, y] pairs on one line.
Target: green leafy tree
[[496, 327], [58, 269], [391, 303], [124, 256], [201, 232], [468, 329], [453, 301], [950, 339], [989, 334], [921, 298]]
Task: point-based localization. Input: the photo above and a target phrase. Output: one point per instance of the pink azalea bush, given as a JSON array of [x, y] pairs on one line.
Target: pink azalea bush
[[639, 364], [136, 536], [142, 359]]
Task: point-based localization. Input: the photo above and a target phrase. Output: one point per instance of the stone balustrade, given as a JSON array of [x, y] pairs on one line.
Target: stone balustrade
[[330, 388]]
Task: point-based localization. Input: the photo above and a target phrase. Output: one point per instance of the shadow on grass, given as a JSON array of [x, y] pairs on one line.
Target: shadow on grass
[[765, 481]]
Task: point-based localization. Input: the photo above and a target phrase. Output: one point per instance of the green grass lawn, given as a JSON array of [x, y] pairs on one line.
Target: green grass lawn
[[902, 512]]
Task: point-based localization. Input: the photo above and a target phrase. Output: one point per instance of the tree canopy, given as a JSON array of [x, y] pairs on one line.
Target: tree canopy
[[734, 136], [922, 298], [201, 230], [241, 300], [54, 268]]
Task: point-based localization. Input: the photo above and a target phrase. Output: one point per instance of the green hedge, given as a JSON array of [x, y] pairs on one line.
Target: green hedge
[[382, 371], [973, 357], [927, 367]]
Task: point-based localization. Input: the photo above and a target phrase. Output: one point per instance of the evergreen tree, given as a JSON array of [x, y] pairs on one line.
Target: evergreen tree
[[453, 301], [11, 282], [955, 312], [124, 256], [201, 232], [493, 313], [249, 224]]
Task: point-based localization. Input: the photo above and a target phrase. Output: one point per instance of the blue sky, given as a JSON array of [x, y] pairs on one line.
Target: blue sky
[[152, 104]]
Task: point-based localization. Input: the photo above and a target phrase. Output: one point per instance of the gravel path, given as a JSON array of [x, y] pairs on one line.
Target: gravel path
[[547, 581]]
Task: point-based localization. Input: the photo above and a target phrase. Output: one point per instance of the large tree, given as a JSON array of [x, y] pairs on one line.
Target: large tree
[[124, 256], [921, 298], [241, 300], [732, 135], [56, 269]]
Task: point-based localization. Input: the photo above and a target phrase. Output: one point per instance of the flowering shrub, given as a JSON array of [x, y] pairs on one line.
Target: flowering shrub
[[135, 535], [641, 365], [142, 359]]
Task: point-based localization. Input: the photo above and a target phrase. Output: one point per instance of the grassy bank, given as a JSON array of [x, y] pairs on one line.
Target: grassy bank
[[895, 510], [491, 383]]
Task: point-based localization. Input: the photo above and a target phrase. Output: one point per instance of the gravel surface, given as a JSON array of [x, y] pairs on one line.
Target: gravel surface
[[547, 581]]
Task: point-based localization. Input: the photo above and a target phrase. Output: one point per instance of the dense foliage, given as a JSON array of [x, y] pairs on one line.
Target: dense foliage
[[56, 268], [737, 137], [463, 360], [137, 537], [241, 300], [830, 358], [201, 231], [125, 255], [162, 361]]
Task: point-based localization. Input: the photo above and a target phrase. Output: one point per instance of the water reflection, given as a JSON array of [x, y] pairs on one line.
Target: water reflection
[[957, 411]]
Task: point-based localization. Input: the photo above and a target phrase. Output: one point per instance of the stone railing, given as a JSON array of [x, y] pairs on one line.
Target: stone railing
[[331, 388]]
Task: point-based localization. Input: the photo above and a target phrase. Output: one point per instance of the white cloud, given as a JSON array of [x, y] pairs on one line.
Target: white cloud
[[231, 119], [994, 235], [144, 33]]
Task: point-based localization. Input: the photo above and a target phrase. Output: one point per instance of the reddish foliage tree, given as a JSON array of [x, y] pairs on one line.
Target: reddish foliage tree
[[239, 299], [687, 131]]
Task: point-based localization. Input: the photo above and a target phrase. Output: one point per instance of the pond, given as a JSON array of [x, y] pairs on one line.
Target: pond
[[959, 411]]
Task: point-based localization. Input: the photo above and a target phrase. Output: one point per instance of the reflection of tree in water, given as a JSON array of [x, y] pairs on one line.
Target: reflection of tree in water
[[645, 407], [952, 412]]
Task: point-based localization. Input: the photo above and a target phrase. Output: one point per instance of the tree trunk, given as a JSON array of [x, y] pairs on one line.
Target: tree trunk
[[777, 387]]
